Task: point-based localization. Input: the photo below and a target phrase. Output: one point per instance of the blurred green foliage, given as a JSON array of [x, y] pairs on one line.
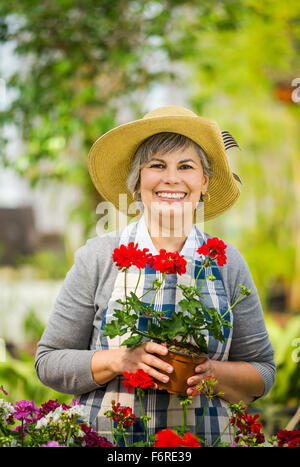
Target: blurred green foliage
[[18, 377], [46, 264]]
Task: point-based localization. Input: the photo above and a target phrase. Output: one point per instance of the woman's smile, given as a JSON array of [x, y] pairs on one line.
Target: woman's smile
[[170, 196], [173, 179]]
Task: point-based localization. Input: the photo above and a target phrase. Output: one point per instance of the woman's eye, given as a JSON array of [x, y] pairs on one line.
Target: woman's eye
[[185, 166], [156, 166]]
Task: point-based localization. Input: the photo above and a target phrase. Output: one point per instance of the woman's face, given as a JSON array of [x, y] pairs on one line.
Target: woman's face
[[173, 182]]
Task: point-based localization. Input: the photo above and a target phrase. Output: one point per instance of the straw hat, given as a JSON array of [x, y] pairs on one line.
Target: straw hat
[[111, 155]]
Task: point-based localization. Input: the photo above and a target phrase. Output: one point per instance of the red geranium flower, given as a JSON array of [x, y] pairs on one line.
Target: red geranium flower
[[215, 249], [168, 438], [190, 440], [140, 379], [168, 262], [288, 438], [123, 415], [130, 255], [247, 423]]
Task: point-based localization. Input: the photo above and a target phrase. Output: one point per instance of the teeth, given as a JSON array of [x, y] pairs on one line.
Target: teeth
[[162, 194]]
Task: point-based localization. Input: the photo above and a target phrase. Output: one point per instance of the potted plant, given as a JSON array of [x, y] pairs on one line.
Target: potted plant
[[182, 332]]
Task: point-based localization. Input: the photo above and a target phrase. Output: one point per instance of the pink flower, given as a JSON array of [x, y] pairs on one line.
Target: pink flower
[[47, 407], [53, 444], [25, 409]]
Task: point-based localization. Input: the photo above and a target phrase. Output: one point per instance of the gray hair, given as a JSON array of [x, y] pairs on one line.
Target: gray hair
[[163, 143]]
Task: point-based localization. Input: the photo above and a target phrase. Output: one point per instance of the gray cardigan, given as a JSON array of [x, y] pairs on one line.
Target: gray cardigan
[[66, 346]]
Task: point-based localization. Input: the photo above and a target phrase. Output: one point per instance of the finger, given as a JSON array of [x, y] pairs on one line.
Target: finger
[[156, 362], [154, 347], [191, 391], [155, 374], [194, 380], [203, 367]]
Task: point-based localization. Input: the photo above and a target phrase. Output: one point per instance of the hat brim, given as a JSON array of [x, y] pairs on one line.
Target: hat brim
[[110, 158]]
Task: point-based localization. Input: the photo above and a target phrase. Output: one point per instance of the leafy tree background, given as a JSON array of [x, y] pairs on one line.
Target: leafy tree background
[[85, 61]]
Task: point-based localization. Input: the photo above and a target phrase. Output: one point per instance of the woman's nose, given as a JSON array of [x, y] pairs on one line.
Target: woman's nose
[[171, 175]]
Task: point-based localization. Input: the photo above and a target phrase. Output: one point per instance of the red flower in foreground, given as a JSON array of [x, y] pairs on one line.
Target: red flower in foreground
[[288, 438], [140, 379], [168, 262], [215, 249], [130, 255], [247, 423], [123, 415], [168, 438]]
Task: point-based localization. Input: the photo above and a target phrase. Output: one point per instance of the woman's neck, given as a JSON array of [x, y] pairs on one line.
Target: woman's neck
[[168, 234], [168, 244]]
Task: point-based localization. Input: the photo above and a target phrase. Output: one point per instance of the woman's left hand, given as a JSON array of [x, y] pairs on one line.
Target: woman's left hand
[[203, 369]]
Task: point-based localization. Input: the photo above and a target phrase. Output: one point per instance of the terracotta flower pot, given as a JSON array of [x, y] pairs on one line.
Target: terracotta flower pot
[[184, 367]]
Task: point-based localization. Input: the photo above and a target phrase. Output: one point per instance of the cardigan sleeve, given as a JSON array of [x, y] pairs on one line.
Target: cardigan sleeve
[[250, 339], [63, 355]]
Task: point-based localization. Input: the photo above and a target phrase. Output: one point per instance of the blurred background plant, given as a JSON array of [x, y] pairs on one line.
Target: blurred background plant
[[74, 69]]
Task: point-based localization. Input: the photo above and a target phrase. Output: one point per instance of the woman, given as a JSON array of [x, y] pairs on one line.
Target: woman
[[174, 162]]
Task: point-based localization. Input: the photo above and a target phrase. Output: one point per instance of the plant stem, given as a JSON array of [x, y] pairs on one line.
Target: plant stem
[[146, 293], [184, 417], [200, 285], [234, 428], [204, 410], [232, 306], [137, 281], [112, 433], [198, 276], [125, 286], [68, 437], [226, 427], [142, 333], [124, 437], [143, 415], [158, 288]]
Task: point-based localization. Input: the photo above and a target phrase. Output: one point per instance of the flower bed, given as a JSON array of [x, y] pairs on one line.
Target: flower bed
[[59, 425]]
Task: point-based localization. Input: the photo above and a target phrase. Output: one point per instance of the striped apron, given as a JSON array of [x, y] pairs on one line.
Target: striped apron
[[163, 408]]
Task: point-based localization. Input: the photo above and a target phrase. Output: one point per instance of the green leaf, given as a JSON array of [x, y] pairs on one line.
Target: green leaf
[[132, 341], [174, 326], [153, 329], [114, 329]]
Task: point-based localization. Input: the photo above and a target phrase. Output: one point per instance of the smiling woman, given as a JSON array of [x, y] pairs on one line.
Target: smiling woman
[[173, 160], [170, 173]]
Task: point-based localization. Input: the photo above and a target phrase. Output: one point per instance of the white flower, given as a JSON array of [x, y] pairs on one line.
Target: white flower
[[58, 415], [6, 409]]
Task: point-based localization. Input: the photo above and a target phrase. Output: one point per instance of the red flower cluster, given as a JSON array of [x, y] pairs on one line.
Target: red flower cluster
[[215, 249], [168, 262], [291, 438], [140, 379], [130, 255], [249, 425], [123, 416], [168, 438]]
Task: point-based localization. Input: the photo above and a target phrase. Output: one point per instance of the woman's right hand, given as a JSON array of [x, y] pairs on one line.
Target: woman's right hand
[[146, 357], [107, 364]]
